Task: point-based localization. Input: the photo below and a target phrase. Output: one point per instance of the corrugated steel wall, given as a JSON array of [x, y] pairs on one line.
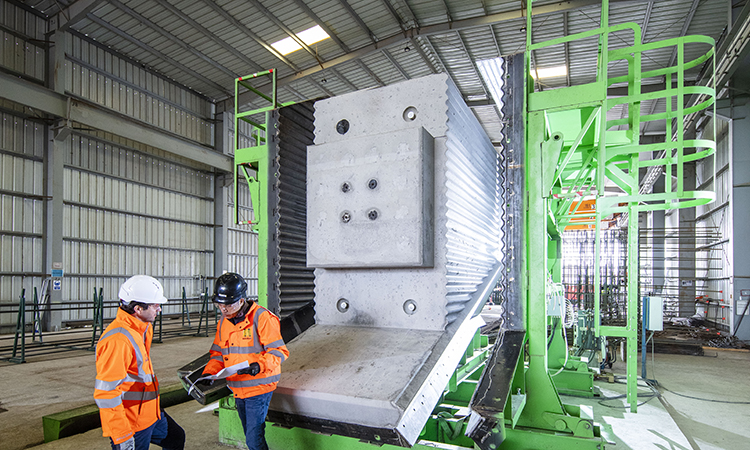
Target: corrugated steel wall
[[127, 208], [714, 263], [127, 212], [21, 206], [21, 160], [100, 76]]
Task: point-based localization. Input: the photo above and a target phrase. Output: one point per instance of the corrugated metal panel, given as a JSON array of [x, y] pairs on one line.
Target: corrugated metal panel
[[19, 53], [716, 259], [429, 12], [451, 52], [297, 20], [473, 190], [118, 84], [341, 22], [128, 212], [295, 283], [376, 16], [22, 144], [464, 9], [242, 244], [490, 121]]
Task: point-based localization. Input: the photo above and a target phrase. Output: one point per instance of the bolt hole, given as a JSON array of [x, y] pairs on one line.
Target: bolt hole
[[342, 127], [410, 114], [372, 214], [372, 184], [410, 307], [346, 217], [346, 187]]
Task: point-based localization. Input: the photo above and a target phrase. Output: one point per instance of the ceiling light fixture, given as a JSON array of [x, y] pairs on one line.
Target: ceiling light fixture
[[309, 37]]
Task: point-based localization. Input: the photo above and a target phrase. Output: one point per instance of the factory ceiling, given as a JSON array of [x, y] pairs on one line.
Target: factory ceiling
[[206, 44]]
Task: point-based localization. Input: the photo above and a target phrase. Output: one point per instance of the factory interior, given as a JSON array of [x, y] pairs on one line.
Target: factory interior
[[482, 224]]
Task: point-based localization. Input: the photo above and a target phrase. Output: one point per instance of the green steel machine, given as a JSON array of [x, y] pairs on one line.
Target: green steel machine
[[390, 214]]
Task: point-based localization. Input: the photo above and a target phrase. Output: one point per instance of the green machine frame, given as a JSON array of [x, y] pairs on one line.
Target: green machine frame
[[252, 162], [574, 150]]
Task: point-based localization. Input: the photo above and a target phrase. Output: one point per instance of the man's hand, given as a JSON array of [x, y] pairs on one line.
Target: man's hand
[[127, 445], [253, 370], [204, 384]]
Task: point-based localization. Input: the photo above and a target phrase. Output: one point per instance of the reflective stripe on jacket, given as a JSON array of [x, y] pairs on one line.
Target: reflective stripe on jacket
[[255, 339], [126, 389]]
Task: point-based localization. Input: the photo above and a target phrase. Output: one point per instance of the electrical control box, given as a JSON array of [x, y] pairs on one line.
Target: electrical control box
[[653, 313]]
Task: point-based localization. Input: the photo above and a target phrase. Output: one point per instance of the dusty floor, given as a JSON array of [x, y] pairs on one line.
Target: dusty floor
[[673, 421]]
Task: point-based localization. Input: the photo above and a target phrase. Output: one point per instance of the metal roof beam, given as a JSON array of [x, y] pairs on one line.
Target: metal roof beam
[[286, 29], [73, 13], [364, 67], [240, 26], [216, 39], [395, 63], [48, 101], [171, 37], [394, 14], [423, 55], [156, 52], [343, 79], [359, 20], [405, 6], [311, 14], [684, 30]]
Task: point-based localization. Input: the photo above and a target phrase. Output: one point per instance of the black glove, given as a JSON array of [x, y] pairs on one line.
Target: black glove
[[204, 384], [253, 370]]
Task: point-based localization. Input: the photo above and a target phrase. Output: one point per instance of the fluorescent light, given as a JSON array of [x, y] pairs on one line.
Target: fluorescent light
[[492, 73], [309, 37], [549, 72]]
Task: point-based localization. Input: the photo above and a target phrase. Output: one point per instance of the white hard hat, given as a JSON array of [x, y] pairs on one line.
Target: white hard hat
[[143, 289]]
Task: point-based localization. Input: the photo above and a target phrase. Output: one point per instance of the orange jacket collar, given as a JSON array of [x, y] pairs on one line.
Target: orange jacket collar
[[132, 321]]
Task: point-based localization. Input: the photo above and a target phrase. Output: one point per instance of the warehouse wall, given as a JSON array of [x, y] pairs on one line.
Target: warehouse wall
[[122, 207], [22, 143], [714, 231]]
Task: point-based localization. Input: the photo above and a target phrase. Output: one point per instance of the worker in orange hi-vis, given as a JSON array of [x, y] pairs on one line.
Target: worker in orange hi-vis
[[249, 337], [126, 389]]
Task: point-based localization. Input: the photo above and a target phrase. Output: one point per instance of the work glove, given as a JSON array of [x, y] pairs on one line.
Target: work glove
[[127, 445], [204, 384], [253, 370]]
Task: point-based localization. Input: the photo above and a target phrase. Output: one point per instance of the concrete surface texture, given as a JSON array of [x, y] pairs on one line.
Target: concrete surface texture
[[672, 421]]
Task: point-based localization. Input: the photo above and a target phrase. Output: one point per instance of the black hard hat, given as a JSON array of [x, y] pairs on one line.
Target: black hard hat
[[229, 288]]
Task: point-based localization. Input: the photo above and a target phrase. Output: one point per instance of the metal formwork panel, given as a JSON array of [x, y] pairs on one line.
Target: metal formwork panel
[[421, 314]]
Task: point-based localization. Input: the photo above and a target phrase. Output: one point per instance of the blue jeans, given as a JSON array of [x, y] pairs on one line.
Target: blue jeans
[[164, 432], [252, 411]]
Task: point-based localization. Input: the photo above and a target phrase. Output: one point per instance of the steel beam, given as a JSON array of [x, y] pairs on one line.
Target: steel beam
[[58, 105]]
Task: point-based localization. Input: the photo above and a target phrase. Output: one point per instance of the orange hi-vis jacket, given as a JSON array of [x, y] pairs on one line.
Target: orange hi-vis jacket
[[257, 338], [126, 389]]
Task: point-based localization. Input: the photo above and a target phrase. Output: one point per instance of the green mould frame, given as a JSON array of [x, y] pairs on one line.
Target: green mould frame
[[575, 147], [253, 164]]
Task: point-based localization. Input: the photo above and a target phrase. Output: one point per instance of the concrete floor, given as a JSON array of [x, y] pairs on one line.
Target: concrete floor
[[39, 388]]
